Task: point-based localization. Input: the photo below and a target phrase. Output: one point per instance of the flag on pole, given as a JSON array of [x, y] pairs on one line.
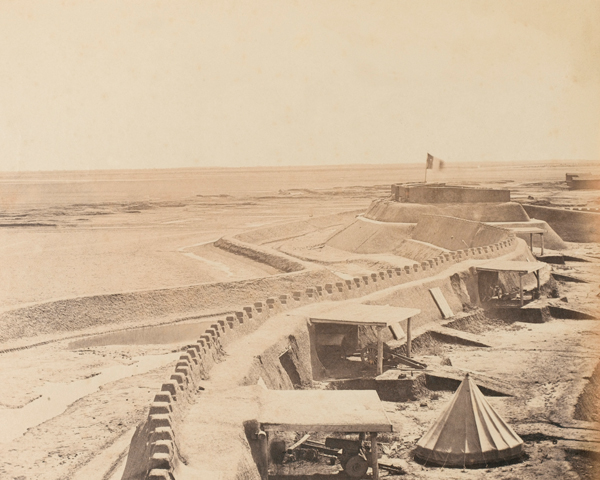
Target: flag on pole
[[434, 163]]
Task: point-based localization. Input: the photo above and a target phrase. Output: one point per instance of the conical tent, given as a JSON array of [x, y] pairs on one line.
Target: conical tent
[[469, 432]]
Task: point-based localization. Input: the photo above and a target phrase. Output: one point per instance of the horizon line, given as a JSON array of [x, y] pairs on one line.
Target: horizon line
[[313, 166]]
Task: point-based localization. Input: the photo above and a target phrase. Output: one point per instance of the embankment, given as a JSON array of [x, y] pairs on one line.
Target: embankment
[[454, 233], [260, 254], [571, 225], [551, 238], [404, 216], [389, 211], [368, 236], [286, 231], [148, 307]]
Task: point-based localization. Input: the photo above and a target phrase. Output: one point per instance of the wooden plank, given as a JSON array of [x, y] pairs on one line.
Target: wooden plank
[[311, 427], [441, 302], [531, 230], [397, 331], [353, 313], [299, 442], [379, 351], [511, 266]]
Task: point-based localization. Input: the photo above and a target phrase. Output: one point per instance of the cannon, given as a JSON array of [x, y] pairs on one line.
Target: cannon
[[353, 455], [368, 355]]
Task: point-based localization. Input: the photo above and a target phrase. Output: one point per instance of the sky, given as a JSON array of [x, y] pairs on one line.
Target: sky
[[110, 84]]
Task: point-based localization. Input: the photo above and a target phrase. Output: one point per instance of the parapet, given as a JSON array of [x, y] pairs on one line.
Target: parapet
[[442, 193]]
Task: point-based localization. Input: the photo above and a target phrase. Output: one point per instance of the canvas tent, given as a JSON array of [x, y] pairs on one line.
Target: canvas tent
[[469, 432]]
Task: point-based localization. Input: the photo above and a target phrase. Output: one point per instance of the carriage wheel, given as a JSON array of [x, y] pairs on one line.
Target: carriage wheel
[[356, 466], [368, 355]]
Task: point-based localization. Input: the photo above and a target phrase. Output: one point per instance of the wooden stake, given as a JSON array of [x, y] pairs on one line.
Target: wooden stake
[[264, 453], [521, 288], [531, 242], [379, 351]]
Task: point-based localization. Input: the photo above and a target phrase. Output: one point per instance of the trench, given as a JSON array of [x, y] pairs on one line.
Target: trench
[[152, 335]]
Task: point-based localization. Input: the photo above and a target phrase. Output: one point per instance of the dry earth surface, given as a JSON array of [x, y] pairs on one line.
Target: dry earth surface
[[68, 410]]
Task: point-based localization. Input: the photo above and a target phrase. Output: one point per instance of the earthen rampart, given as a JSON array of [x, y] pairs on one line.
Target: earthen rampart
[[390, 211], [456, 233], [154, 452], [573, 225]]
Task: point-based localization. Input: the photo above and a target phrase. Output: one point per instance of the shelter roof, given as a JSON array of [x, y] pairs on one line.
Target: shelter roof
[[527, 230], [323, 411], [511, 266], [350, 313]]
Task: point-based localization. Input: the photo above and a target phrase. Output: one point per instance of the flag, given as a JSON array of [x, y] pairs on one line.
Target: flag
[[429, 162], [434, 163]]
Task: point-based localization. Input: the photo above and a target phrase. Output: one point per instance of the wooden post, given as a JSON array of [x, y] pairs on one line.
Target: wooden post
[[374, 459], [531, 242], [542, 235], [379, 351], [263, 440], [408, 337], [521, 288], [537, 276]]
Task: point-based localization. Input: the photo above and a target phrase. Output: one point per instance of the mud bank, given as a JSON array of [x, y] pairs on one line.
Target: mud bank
[[147, 307]]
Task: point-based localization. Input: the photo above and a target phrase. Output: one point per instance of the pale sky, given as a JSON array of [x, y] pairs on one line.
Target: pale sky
[[158, 84]]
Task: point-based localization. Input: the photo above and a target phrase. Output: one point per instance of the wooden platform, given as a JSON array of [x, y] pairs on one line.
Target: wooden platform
[[323, 411], [350, 313], [511, 266]]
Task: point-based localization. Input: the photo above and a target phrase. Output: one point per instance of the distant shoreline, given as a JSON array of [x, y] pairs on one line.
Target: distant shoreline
[[343, 166]]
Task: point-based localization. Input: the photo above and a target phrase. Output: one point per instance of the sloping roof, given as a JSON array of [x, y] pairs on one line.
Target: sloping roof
[[323, 411], [469, 432], [352, 313], [511, 266]]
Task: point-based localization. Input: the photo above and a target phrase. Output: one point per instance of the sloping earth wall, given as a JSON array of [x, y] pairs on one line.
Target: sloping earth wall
[[456, 233], [571, 225], [365, 236], [389, 211]]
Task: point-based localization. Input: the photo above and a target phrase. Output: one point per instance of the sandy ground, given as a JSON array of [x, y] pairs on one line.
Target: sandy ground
[[158, 246], [131, 245]]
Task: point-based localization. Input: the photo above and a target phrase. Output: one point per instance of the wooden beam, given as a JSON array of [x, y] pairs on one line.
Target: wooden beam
[[342, 428], [521, 288], [263, 468], [531, 241]]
